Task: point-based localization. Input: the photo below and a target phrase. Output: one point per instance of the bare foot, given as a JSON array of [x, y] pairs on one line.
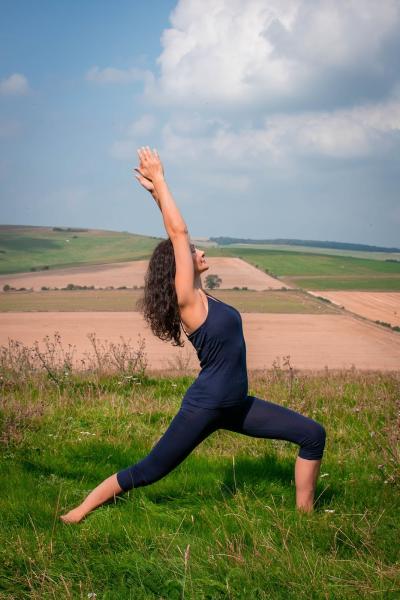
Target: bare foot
[[73, 516]]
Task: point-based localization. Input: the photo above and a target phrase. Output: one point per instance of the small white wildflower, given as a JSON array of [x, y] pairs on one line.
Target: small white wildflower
[[324, 475], [329, 510], [174, 384], [92, 595]]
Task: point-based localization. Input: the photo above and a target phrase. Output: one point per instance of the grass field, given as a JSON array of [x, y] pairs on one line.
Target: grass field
[[24, 248], [223, 524], [125, 300]]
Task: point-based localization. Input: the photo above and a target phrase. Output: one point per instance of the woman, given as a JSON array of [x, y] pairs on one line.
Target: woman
[[218, 399]]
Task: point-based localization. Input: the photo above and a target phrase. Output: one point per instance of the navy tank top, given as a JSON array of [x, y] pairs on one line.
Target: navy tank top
[[221, 349]]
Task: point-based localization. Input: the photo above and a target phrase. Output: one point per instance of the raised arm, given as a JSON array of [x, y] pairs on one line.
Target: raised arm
[[152, 170]]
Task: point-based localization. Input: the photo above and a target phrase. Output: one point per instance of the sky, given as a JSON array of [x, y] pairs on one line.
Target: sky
[[273, 118]]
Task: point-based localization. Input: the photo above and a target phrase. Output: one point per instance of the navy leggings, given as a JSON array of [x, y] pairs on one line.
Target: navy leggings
[[192, 424]]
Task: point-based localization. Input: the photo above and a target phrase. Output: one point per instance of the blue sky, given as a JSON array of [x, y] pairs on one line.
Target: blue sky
[[273, 118]]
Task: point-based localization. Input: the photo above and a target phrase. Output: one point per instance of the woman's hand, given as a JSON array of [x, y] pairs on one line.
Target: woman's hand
[[150, 164], [146, 183]]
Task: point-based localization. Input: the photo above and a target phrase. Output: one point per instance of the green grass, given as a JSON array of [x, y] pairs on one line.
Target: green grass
[[295, 302], [24, 248], [230, 505]]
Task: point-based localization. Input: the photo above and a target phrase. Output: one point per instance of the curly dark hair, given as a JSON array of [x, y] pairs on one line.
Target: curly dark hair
[[159, 303]]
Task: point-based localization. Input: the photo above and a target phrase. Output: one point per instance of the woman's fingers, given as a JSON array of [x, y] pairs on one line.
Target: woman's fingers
[[142, 178], [146, 152]]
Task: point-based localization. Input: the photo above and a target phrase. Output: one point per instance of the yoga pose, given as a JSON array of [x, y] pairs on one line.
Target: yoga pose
[[218, 398]]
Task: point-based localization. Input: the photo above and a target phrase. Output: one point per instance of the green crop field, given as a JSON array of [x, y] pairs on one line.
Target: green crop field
[[320, 271], [361, 284], [223, 524], [125, 300], [293, 263], [316, 250]]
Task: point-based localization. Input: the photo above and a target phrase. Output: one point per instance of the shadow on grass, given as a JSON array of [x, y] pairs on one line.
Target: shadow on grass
[[248, 472], [246, 475]]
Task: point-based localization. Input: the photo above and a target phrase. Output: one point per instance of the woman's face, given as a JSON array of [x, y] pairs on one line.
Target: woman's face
[[199, 261]]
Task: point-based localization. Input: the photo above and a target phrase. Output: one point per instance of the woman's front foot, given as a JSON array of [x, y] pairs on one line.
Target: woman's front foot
[[73, 516]]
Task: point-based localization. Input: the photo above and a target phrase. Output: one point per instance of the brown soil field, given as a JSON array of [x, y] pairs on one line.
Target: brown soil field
[[312, 341], [232, 271], [378, 306]]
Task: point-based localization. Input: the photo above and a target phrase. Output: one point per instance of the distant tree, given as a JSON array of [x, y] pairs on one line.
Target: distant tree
[[6, 287], [213, 281]]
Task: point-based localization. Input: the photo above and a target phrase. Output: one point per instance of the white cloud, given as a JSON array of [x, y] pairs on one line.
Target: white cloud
[[358, 132], [248, 84], [142, 126], [231, 53], [15, 85], [110, 75], [124, 149]]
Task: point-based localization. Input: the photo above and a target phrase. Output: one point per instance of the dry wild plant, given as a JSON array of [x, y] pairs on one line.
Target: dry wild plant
[[18, 363], [121, 358]]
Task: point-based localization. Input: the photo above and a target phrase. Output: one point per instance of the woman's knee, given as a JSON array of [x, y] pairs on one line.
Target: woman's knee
[[314, 441], [131, 477]]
